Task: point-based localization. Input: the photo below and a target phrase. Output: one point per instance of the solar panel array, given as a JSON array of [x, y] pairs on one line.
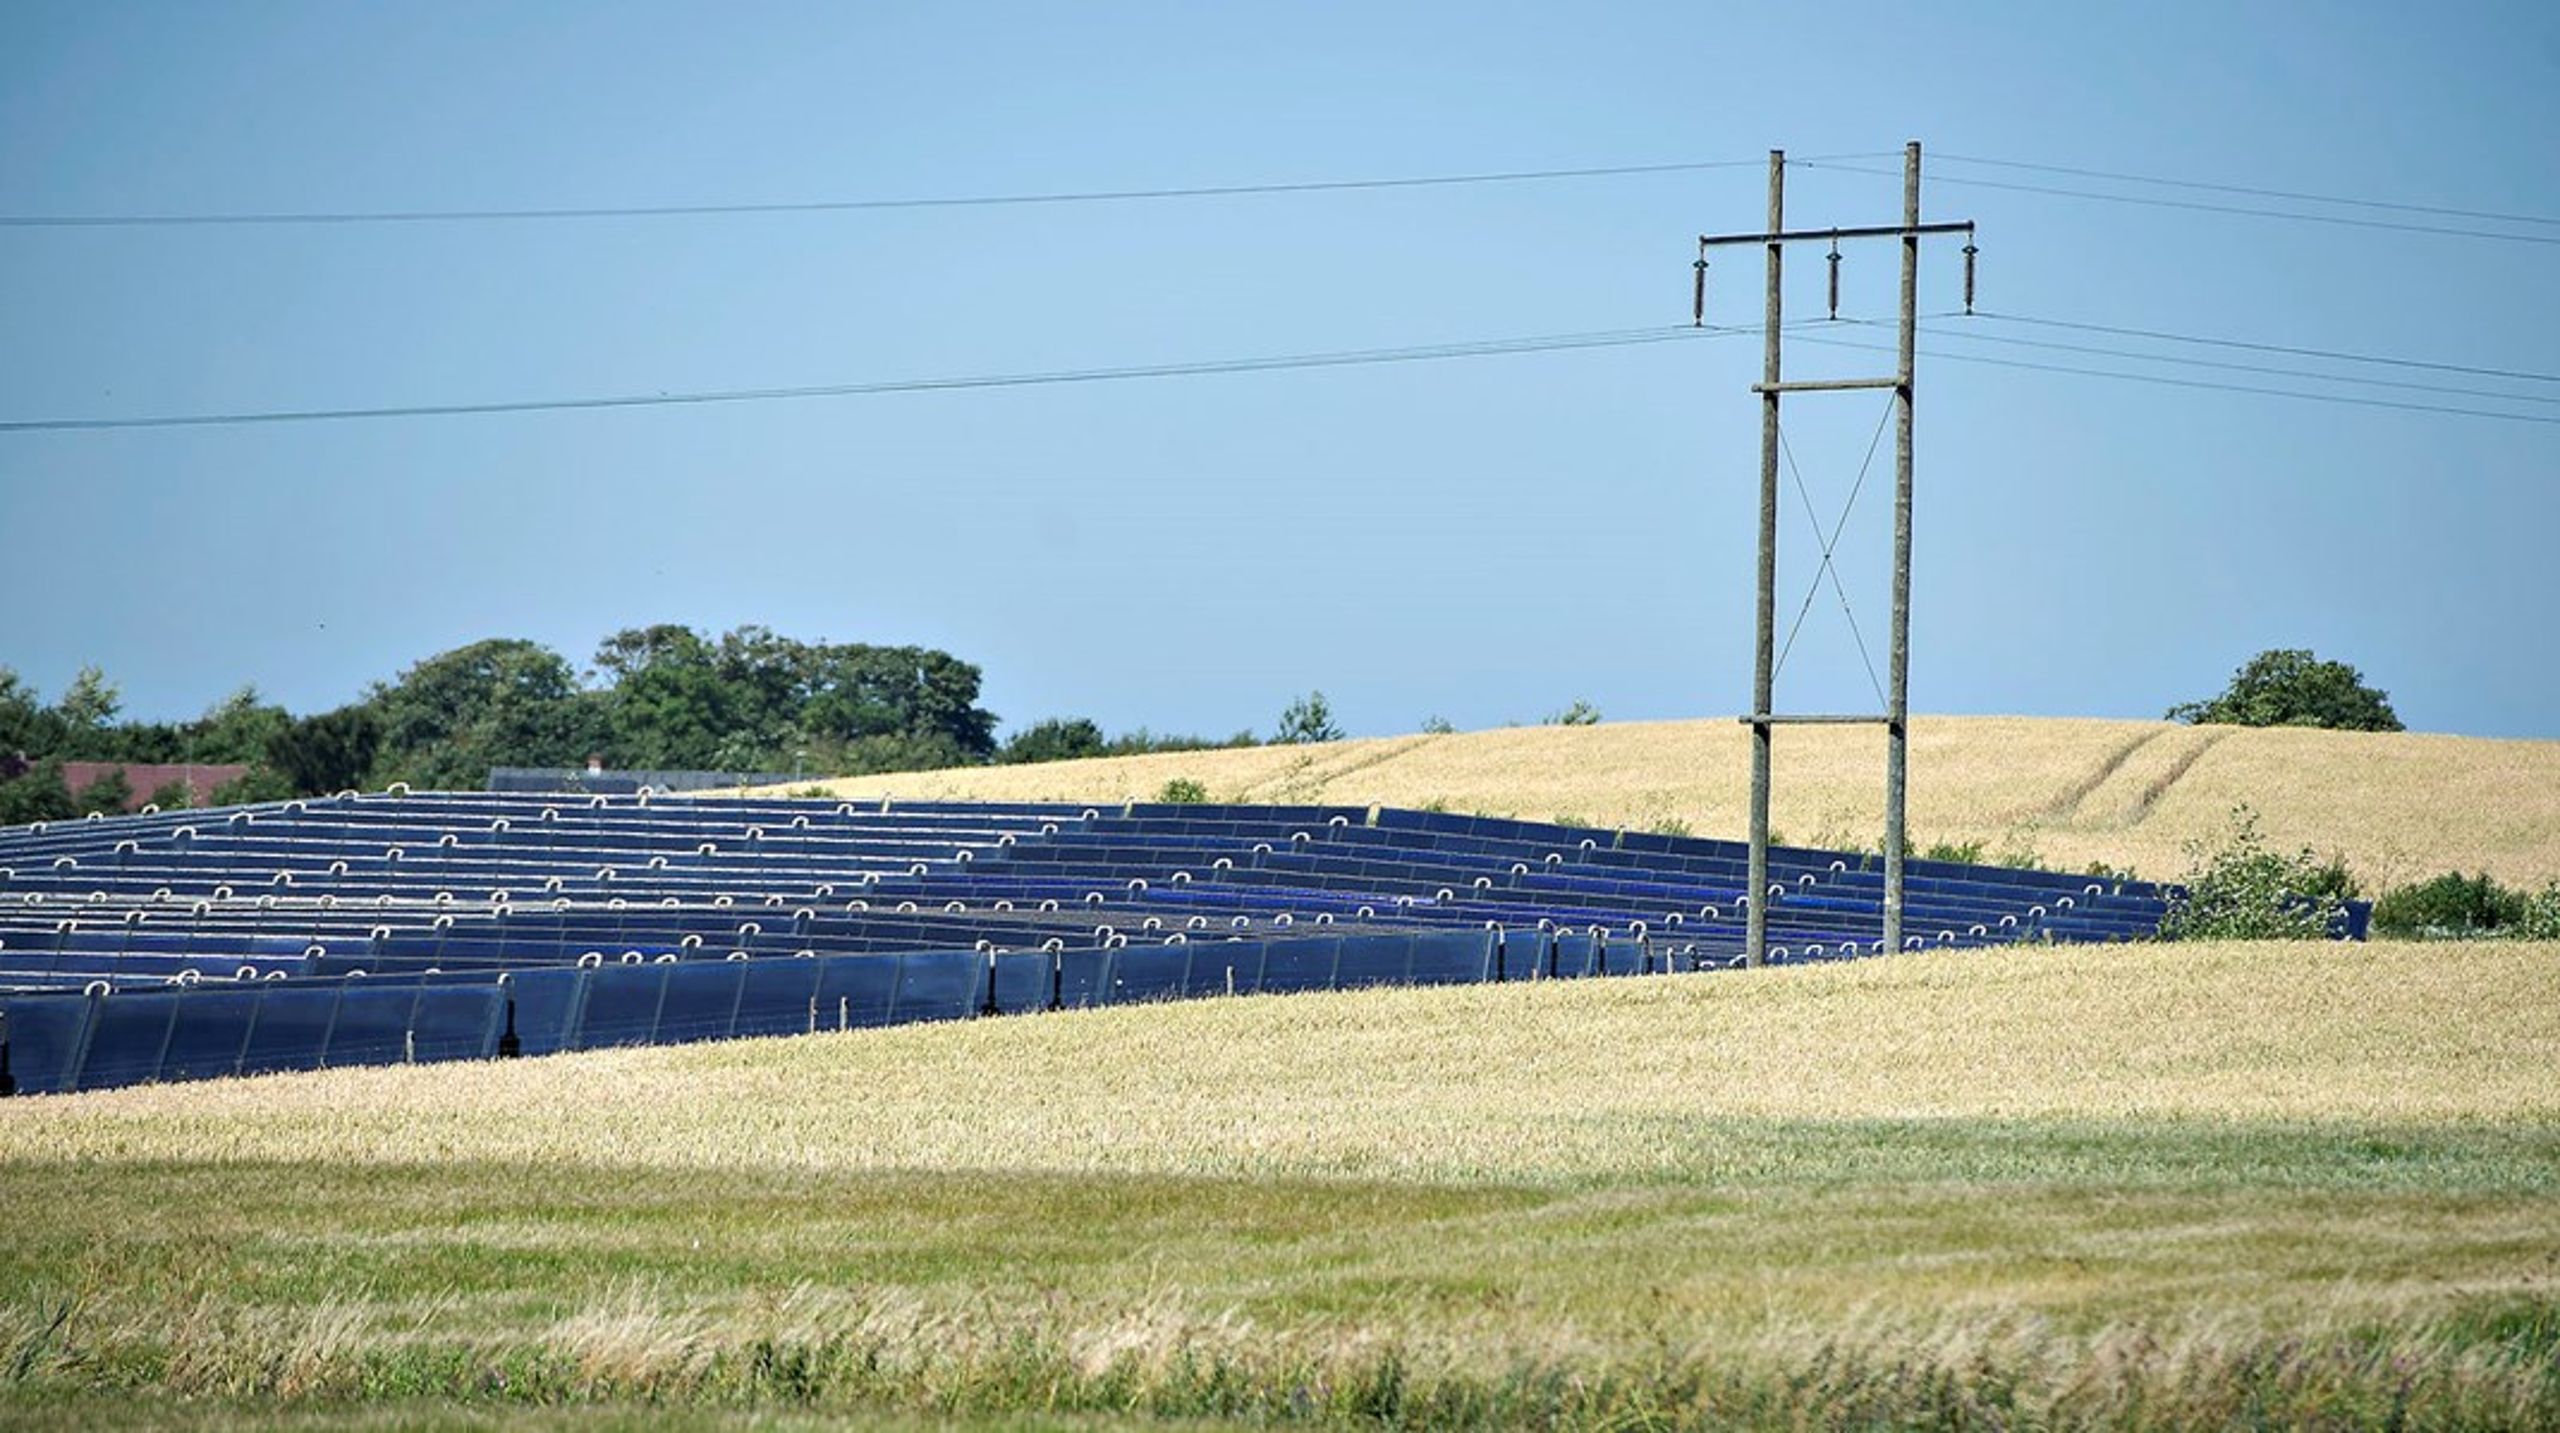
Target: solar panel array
[[399, 927]]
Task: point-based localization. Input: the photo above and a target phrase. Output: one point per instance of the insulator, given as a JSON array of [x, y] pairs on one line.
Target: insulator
[[1835, 276], [1969, 252], [1698, 296]]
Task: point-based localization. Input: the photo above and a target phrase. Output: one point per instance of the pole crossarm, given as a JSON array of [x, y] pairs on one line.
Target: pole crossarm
[[1825, 385], [1815, 719], [1862, 231]]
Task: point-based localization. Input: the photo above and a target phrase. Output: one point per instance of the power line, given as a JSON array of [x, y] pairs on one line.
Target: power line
[[2348, 399], [2262, 193], [2230, 367], [2290, 349], [832, 206], [1483, 348], [2200, 206]]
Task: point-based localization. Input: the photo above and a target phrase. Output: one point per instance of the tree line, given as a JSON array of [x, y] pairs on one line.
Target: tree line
[[664, 697]]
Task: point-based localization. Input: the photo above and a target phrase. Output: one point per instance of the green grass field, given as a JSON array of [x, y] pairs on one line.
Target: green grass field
[[2153, 1185]]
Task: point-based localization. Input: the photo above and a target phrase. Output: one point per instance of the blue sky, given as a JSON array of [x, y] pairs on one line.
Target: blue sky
[[1484, 539]]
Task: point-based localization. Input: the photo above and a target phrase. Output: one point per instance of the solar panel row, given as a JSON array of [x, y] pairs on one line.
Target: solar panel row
[[370, 929]]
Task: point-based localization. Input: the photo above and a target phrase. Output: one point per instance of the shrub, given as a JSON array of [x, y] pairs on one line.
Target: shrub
[[1581, 713], [1436, 725], [2452, 906], [2246, 890], [2541, 915], [1183, 791]]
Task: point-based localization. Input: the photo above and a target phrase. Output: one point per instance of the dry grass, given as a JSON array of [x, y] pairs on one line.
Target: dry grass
[[1603, 1080], [2169, 1186], [2398, 806]]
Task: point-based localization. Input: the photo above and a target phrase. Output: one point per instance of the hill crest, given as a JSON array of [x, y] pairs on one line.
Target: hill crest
[[2070, 791]]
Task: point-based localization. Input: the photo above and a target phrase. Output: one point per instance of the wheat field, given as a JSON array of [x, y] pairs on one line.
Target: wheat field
[[1558, 1081], [2397, 806], [2166, 1186]]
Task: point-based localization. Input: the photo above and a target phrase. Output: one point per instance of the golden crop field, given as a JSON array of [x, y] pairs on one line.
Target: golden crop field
[[2398, 806], [2169, 1185], [1608, 1079]]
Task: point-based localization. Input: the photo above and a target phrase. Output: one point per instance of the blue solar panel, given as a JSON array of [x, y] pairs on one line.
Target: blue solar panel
[[457, 908], [1149, 972], [45, 1033], [701, 1001], [128, 1038], [622, 1005], [940, 984], [209, 1032], [1289, 965], [777, 996], [857, 990], [291, 1029]]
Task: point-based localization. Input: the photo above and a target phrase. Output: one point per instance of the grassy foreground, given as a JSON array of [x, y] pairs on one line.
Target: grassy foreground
[[2157, 1186], [2399, 806]]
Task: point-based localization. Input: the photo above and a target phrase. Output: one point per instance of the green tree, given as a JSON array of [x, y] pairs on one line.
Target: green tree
[[36, 794], [257, 784], [27, 725], [670, 706], [1057, 739], [91, 701], [326, 753], [753, 700], [2291, 687], [108, 795], [1306, 720], [500, 702], [236, 729], [1581, 713]]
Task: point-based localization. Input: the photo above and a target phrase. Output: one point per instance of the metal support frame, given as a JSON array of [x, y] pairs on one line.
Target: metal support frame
[[1896, 716]]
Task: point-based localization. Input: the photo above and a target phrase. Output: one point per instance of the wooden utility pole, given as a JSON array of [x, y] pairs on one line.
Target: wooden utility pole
[[1764, 716]]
